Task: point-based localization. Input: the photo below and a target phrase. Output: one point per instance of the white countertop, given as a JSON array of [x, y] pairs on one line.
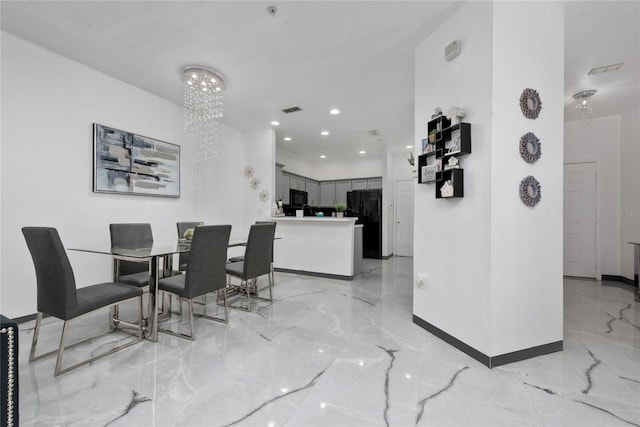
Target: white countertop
[[324, 220]]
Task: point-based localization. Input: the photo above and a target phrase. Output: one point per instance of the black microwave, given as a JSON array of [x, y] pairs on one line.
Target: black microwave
[[297, 197]]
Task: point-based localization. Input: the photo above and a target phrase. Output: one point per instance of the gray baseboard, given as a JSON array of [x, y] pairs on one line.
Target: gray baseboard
[[621, 279], [28, 317], [388, 256], [312, 273], [489, 361]]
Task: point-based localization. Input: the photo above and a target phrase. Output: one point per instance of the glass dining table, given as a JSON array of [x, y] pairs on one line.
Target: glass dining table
[[160, 260]]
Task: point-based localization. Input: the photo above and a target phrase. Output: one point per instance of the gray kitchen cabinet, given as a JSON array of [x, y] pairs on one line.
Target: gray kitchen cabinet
[[285, 187], [327, 193], [341, 191], [297, 183], [312, 192], [358, 184], [280, 187], [374, 183]]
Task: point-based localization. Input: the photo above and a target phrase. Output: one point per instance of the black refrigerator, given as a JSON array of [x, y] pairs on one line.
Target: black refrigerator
[[367, 206]]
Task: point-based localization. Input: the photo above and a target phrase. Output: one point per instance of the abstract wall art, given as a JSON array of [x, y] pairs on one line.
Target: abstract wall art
[[126, 163]]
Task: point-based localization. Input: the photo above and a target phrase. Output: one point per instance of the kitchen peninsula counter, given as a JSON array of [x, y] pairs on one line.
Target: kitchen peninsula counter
[[315, 246]]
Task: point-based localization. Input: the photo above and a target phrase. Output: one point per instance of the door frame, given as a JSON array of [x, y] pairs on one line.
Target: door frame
[[598, 210], [395, 213]]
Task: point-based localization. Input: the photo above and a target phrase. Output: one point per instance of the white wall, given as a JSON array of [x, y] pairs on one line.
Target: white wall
[[480, 255], [260, 153], [348, 168], [526, 243], [293, 163], [49, 104], [629, 188], [451, 237], [599, 142]]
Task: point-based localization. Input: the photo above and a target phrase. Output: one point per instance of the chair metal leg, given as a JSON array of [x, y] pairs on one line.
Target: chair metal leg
[[56, 372], [193, 331], [34, 341], [58, 368], [222, 295]]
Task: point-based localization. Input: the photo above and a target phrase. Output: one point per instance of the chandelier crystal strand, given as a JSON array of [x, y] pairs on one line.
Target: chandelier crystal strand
[[203, 106], [583, 106]]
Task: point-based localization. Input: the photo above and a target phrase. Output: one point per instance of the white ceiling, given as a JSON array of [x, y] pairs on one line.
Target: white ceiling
[[353, 55]]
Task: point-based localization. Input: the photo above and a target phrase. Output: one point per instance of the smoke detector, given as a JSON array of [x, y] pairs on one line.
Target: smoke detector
[[272, 10]]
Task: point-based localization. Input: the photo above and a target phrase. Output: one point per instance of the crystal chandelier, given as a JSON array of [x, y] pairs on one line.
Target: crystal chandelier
[[203, 88], [583, 105]]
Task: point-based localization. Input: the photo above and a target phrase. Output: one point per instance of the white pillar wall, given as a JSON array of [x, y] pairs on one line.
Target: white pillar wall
[[492, 266]]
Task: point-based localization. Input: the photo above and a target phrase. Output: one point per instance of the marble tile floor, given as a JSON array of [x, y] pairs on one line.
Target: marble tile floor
[[336, 353]]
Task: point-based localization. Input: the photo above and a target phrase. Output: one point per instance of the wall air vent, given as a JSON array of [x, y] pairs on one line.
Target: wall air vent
[[293, 109], [605, 69]]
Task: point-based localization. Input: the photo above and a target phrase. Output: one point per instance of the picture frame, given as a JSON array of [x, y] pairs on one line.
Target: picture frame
[[429, 173], [127, 163]]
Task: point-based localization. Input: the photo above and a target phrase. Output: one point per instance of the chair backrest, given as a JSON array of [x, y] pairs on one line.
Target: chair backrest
[[182, 227], [131, 236], [259, 252], [206, 270], [55, 281], [274, 224]]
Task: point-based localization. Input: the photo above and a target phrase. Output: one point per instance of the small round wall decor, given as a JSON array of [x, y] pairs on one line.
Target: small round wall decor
[[530, 191], [530, 103], [530, 149]]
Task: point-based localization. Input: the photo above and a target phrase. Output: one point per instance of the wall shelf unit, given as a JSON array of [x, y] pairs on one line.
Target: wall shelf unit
[[450, 141]]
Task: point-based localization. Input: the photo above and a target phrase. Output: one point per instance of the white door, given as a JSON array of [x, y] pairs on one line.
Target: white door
[[404, 217], [580, 220]]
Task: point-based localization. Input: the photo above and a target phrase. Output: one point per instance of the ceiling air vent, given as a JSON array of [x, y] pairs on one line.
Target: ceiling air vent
[[291, 109], [605, 69]]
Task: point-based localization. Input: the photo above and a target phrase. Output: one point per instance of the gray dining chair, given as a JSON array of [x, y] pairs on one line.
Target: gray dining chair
[[182, 228], [241, 257], [257, 262], [133, 236], [58, 296], [205, 273]]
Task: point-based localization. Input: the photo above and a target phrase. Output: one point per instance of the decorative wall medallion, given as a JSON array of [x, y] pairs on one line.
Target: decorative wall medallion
[[264, 195], [530, 103], [248, 171], [530, 149], [255, 183], [530, 191]]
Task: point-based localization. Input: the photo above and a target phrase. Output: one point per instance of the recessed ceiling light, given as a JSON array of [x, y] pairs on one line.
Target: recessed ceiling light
[[409, 146], [363, 152], [275, 123], [334, 111], [324, 133], [287, 138], [323, 157]]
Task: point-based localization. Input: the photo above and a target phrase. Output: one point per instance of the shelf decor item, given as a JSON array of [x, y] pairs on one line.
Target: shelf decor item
[[530, 103], [429, 173], [447, 189], [530, 149], [456, 115], [340, 208], [530, 191], [432, 135]]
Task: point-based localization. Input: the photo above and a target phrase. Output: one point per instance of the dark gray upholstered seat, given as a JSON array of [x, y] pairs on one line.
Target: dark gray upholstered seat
[[133, 236], [58, 296], [182, 228], [205, 273], [258, 258]]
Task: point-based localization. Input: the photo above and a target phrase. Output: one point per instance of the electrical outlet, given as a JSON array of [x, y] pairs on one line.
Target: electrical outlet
[[420, 281]]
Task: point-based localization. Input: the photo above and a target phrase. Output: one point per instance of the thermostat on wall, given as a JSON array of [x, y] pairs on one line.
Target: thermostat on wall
[[452, 50]]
